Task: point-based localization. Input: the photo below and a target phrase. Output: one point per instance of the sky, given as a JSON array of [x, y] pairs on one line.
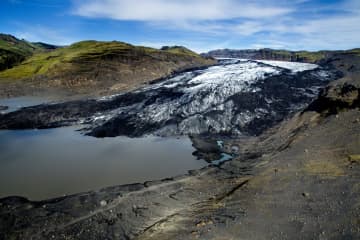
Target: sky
[[200, 25]]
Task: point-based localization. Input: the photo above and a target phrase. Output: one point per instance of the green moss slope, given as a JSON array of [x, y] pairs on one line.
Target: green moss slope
[[13, 51], [44, 63], [179, 50], [81, 56]]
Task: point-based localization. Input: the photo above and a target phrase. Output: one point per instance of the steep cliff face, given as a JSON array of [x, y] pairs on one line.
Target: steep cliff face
[[343, 94]]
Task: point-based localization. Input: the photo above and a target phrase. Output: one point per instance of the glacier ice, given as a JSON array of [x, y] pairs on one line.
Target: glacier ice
[[292, 66], [235, 97]]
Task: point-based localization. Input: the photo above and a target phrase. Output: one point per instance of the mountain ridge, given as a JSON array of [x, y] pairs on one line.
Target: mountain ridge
[[279, 54], [98, 68], [93, 67], [13, 50]]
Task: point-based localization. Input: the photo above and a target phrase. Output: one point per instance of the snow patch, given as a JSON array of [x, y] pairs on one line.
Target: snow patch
[[293, 66]]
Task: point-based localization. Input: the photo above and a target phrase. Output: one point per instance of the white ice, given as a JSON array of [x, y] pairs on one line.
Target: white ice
[[293, 66]]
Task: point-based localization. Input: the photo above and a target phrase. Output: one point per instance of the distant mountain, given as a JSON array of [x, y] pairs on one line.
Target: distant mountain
[[97, 67], [271, 54], [179, 50], [13, 51], [46, 46]]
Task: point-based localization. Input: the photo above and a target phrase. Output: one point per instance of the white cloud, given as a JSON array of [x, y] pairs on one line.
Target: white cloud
[[176, 10], [248, 28], [352, 5], [283, 24], [275, 44], [336, 31], [211, 27]]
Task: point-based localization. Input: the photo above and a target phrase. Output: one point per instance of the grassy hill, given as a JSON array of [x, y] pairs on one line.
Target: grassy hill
[[13, 51], [179, 50], [81, 57], [105, 67]]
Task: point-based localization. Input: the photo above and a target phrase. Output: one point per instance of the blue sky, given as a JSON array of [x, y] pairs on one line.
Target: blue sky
[[201, 25]]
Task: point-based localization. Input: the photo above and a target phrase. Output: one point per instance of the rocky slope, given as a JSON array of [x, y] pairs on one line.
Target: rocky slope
[[298, 180], [96, 68]]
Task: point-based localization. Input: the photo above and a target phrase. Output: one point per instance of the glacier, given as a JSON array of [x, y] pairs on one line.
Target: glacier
[[235, 97], [292, 66]]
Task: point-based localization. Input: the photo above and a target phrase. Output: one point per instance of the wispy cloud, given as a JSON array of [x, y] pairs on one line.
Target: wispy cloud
[[277, 24], [165, 10]]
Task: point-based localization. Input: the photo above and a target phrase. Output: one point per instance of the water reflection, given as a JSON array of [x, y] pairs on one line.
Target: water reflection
[[41, 164]]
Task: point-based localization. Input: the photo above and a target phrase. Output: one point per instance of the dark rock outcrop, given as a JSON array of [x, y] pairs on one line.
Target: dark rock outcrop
[[337, 98]]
